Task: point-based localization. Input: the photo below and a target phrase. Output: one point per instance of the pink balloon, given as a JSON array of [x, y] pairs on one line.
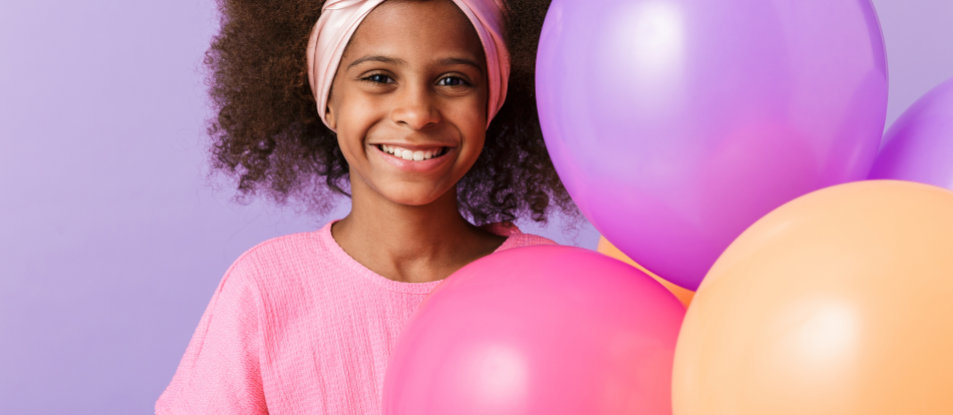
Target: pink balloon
[[538, 330], [919, 145], [675, 124]]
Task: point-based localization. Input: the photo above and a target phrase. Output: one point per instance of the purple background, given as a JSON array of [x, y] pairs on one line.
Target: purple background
[[111, 238]]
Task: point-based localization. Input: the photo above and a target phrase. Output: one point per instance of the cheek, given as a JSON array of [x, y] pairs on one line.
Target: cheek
[[471, 114], [350, 142], [475, 146], [350, 117], [361, 112]]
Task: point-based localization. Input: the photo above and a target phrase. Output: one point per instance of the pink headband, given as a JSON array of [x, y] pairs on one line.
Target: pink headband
[[340, 19]]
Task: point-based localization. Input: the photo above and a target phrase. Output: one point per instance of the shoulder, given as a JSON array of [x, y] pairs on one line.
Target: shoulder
[[279, 257], [515, 238], [277, 250]]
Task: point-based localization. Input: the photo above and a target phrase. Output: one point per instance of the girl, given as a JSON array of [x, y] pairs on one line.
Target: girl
[[416, 118]]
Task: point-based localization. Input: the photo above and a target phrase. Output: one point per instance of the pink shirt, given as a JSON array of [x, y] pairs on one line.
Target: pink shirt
[[298, 327]]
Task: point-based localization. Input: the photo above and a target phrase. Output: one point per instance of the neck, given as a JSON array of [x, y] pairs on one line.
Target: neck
[[411, 243]]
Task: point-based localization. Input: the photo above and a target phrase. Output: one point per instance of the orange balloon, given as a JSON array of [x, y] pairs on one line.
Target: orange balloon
[[837, 303], [684, 295]]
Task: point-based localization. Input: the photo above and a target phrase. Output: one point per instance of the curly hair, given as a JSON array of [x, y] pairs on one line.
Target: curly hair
[[268, 136]]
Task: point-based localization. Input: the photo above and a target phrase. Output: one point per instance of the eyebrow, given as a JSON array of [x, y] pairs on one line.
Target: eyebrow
[[398, 61], [461, 61], [377, 58]]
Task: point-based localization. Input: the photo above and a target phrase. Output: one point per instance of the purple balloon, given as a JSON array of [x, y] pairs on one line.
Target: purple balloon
[[676, 124], [919, 145]]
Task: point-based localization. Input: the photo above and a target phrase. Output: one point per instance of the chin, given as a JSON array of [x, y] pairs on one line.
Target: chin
[[414, 201], [413, 197]]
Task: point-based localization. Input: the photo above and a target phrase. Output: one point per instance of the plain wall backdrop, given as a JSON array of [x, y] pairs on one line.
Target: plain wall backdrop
[[111, 238]]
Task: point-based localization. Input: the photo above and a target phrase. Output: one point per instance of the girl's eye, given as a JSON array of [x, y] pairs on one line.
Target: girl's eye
[[378, 78], [453, 81]]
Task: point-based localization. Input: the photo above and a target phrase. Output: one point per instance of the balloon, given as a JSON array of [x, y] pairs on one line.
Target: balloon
[[919, 145], [538, 330], [837, 303], [675, 124], [605, 247]]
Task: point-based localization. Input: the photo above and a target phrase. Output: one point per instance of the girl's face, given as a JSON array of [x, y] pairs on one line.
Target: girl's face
[[409, 101]]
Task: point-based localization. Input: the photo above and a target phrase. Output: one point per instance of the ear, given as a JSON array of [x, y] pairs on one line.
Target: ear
[[329, 116]]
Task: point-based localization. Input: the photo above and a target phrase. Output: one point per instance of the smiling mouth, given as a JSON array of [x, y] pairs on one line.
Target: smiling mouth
[[413, 155]]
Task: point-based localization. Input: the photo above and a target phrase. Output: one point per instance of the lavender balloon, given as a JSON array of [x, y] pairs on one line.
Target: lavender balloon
[[675, 124], [919, 145]]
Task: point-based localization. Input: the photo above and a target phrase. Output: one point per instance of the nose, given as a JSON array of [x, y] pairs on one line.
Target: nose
[[415, 108]]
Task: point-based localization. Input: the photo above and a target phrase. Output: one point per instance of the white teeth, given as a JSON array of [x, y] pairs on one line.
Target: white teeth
[[409, 154]]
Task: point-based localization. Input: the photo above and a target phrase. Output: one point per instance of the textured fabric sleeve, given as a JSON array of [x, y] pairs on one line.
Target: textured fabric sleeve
[[220, 372]]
